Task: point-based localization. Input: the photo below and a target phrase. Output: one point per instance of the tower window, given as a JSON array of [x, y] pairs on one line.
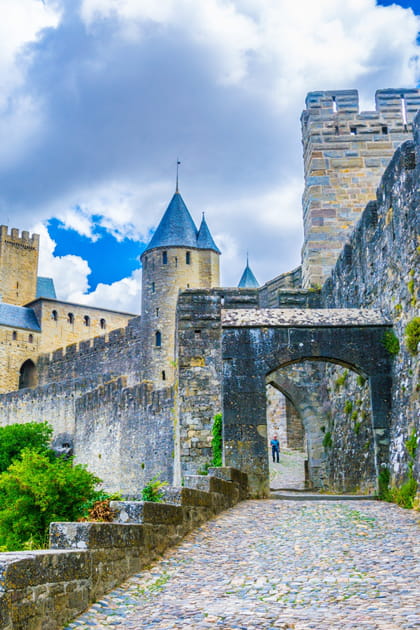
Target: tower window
[[86, 320], [70, 318], [102, 324], [153, 287], [158, 339], [163, 375], [353, 131], [176, 261], [334, 105], [14, 335], [384, 129], [188, 258], [31, 338], [54, 315], [157, 312], [164, 258]]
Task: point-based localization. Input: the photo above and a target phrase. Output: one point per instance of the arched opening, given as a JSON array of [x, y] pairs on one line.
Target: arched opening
[[158, 339], [70, 318], [326, 415], [28, 374], [54, 315], [86, 320], [353, 445], [102, 324], [284, 423]]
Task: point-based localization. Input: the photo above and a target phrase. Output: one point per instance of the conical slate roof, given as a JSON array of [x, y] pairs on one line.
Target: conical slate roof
[[177, 229], [248, 280], [205, 239]]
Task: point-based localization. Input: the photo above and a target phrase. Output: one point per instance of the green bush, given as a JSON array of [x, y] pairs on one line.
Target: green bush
[[36, 490], [348, 407], [152, 491], [340, 381], [217, 441], [391, 342], [327, 441], [412, 335], [16, 437]]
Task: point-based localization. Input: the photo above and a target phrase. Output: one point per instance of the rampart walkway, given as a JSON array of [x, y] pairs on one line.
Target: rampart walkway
[[276, 565]]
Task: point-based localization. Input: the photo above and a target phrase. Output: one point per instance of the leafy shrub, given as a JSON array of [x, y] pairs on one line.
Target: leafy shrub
[[405, 494], [217, 441], [16, 437], [412, 335], [360, 380], [36, 490], [340, 381], [391, 342], [348, 407], [152, 491], [327, 441]]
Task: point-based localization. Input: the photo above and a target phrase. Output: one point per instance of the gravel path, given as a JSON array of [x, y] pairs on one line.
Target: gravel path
[[279, 565]]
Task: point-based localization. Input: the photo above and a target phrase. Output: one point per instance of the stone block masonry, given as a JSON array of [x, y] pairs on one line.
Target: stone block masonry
[[379, 269], [345, 154], [18, 265], [42, 590]]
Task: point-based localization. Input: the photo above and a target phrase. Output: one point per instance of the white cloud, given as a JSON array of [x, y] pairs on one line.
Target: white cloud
[[69, 272], [123, 295], [280, 48], [21, 22]]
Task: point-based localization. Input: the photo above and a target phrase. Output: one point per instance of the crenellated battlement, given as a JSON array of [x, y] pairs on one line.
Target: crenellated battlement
[[16, 237], [116, 353], [399, 105]]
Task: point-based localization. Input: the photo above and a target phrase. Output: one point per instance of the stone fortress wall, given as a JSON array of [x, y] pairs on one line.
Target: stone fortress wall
[[65, 323], [345, 154]]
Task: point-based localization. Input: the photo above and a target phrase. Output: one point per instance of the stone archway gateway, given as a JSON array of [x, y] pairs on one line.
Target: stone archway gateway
[[256, 342]]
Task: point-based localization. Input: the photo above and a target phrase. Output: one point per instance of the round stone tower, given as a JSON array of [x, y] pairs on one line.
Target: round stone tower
[[178, 257]]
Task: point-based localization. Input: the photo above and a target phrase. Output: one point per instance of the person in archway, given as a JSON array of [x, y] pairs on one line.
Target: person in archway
[[275, 449]]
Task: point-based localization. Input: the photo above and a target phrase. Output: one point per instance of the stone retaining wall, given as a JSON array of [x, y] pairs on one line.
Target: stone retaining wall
[[43, 590]]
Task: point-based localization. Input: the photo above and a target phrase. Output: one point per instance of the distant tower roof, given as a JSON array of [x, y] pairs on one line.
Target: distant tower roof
[[45, 288], [177, 229], [204, 238], [248, 280]]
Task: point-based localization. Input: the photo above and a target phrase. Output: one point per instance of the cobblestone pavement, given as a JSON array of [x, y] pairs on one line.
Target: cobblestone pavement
[[290, 472], [279, 565]]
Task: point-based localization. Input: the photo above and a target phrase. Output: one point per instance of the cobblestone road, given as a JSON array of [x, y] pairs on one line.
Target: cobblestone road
[[277, 565]]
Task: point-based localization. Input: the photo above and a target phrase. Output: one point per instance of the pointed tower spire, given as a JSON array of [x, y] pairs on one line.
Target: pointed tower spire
[[205, 239], [177, 175], [248, 280], [177, 228]]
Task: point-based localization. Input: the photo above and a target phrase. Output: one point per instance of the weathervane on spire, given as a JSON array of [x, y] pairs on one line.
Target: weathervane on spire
[[177, 173]]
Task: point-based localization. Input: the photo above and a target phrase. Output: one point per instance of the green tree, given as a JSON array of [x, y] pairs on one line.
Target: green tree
[[217, 441], [36, 490], [14, 438]]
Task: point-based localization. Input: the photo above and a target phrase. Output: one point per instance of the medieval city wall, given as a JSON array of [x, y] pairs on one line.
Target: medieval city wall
[[109, 356], [125, 435], [379, 268]]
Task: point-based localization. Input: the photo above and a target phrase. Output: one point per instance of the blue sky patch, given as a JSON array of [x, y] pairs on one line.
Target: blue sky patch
[[110, 260]]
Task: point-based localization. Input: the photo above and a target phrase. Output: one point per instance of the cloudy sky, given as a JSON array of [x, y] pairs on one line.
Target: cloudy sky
[[100, 97]]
